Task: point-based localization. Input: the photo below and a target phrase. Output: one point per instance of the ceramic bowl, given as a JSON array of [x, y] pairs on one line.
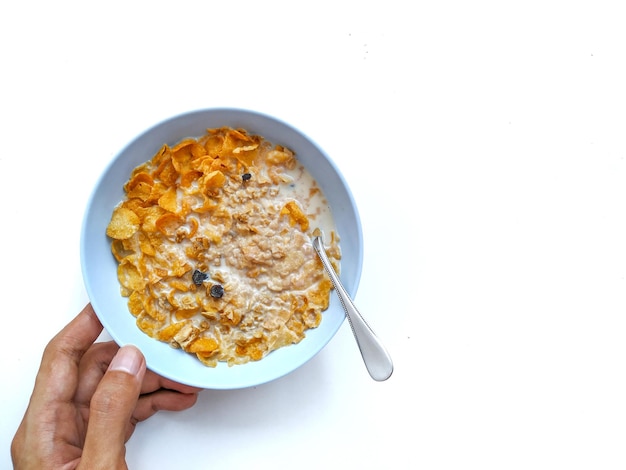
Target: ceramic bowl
[[99, 267]]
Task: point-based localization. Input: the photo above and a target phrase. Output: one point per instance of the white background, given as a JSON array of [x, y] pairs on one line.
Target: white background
[[484, 143]]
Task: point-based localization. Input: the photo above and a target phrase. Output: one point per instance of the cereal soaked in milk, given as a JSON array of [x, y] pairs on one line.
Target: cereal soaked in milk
[[214, 247]]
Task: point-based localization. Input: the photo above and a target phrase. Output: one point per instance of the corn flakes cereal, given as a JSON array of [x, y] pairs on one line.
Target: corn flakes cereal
[[213, 241]]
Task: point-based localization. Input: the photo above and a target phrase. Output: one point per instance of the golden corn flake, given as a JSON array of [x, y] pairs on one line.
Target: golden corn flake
[[296, 216], [213, 242], [169, 200], [140, 186], [124, 223]]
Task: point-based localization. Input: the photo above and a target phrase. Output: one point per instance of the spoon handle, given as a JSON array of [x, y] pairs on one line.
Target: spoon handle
[[376, 358]]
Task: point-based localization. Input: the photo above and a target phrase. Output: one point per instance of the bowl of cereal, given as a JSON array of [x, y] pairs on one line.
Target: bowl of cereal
[[196, 246]]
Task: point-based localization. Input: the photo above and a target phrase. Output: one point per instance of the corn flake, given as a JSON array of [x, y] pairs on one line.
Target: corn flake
[[124, 223]]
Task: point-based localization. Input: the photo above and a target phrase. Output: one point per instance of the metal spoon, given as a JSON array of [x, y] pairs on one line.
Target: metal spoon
[[376, 358]]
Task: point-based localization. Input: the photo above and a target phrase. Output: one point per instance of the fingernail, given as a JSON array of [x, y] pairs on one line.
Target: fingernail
[[128, 359]]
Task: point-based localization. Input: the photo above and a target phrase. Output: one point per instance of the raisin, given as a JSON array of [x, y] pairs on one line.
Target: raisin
[[199, 277], [217, 291], [246, 176]]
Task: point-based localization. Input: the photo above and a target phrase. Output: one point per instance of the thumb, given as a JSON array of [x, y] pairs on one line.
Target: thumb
[[111, 409]]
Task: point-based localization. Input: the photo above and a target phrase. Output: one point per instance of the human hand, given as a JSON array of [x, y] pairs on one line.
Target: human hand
[[87, 399]]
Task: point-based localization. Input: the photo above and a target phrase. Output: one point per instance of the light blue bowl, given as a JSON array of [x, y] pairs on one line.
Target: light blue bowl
[[99, 267]]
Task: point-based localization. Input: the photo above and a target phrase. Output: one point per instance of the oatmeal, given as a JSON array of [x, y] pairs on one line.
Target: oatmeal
[[213, 242]]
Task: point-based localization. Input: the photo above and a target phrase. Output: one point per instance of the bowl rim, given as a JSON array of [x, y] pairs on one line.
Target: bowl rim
[[156, 366]]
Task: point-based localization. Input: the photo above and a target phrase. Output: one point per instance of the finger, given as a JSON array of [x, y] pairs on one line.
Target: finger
[[78, 335], [153, 382], [95, 363], [163, 400], [91, 369], [57, 376], [50, 402], [112, 406]]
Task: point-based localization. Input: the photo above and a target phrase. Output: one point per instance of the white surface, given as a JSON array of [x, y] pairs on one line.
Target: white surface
[[484, 143]]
